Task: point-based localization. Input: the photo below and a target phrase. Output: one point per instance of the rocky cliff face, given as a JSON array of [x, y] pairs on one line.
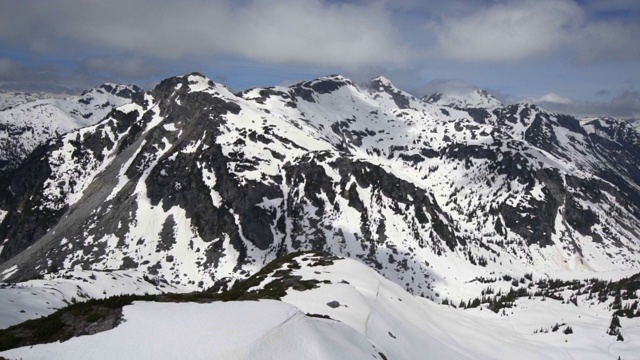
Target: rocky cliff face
[[198, 186]]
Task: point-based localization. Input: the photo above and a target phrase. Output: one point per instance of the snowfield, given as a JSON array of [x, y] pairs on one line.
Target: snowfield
[[357, 314], [235, 330]]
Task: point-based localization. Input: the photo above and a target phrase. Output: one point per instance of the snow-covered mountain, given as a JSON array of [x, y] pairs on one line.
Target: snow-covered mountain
[[459, 94], [447, 230], [461, 230], [29, 119], [191, 187]]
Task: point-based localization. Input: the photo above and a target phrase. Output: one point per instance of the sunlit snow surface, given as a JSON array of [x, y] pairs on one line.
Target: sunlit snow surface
[[369, 315], [236, 330]]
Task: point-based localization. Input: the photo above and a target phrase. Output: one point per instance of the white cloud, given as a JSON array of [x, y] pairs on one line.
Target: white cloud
[[9, 69], [514, 30], [289, 31], [508, 31], [627, 6], [551, 98], [453, 87], [625, 104], [263, 42], [130, 67], [602, 40]]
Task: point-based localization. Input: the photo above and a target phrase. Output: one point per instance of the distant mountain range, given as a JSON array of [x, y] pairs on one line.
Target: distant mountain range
[[30, 119], [458, 94]]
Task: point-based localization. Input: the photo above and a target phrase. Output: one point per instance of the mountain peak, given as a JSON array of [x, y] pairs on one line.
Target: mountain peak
[[325, 84], [381, 84], [382, 81], [458, 94], [192, 82]]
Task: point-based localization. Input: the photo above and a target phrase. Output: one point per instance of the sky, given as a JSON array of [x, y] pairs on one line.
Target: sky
[[580, 57]]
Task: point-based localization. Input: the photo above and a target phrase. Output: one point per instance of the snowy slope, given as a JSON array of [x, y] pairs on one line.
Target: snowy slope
[[351, 313], [28, 121], [403, 326], [235, 330]]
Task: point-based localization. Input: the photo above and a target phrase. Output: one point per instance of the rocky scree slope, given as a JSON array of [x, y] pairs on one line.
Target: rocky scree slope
[[197, 187]]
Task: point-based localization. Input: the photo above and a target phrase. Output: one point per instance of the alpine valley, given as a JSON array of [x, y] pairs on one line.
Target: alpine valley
[[366, 222]]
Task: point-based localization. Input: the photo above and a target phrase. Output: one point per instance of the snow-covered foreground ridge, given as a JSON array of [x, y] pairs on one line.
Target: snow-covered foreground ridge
[[194, 186], [333, 308]]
